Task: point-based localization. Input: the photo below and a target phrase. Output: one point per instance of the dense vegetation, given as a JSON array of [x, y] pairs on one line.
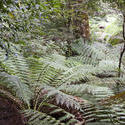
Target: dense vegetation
[[62, 62]]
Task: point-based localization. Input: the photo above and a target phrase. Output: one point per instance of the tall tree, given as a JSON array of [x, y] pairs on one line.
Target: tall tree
[[79, 19]]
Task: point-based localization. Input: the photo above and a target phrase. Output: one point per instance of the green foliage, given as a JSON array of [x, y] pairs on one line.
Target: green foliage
[[55, 80], [107, 26], [48, 87], [39, 118], [21, 90]]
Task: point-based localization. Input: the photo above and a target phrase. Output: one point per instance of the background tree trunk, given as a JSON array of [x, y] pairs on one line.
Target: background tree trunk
[[80, 20], [123, 50]]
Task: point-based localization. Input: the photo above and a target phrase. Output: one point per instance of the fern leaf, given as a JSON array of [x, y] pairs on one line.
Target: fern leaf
[[40, 118], [21, 90]]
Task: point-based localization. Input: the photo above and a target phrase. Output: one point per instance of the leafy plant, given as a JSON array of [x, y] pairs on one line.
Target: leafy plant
[[48, 87]]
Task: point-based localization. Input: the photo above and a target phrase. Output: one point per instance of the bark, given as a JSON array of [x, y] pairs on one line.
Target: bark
[[9, 113], [80, 21], [122, 52]]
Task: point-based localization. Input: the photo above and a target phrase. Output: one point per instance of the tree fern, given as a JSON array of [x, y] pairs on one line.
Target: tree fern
[[56, 80]]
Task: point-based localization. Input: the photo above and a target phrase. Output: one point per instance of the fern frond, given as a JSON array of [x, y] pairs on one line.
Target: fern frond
[[57, 61], [43, 73], [8, 95], [103, 57], [75, 71], [40, 118], [75, 74], [16, 64], [89, 91], [60, 97], [61, 114], [20, 89], [89, 112], [116, 99], [88, 54], [115, 106]]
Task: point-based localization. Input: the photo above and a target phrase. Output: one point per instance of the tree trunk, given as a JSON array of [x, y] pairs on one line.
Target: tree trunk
[[80, 21], [122, 52]]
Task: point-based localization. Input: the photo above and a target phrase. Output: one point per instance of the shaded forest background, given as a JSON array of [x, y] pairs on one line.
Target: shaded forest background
[[62, 62]]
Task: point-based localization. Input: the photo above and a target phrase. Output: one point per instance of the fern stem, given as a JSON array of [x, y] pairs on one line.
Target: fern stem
[[45, 99], [42, 71], [36, 102]]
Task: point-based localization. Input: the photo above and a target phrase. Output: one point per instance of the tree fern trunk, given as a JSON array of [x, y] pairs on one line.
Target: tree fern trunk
[[9, 113]]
